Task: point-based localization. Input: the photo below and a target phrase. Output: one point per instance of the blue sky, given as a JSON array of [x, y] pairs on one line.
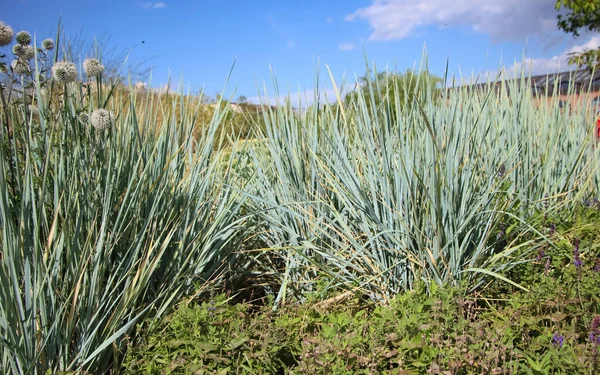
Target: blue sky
[[200, 40]]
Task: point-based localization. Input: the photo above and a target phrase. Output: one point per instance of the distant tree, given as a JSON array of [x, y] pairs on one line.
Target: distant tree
[[576, 16], [388, 89], [242, 99]]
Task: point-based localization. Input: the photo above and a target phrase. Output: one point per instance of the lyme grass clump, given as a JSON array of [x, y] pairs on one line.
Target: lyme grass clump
[[437, 187], [104, 219]]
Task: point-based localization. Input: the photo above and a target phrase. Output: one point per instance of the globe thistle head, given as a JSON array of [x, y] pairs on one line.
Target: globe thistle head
[[6, 34], [17, 50], [48, 44], [24, 38], [84, 118], [93, 67], [20, 67], [28, 53], [101, 119], [64, 71]]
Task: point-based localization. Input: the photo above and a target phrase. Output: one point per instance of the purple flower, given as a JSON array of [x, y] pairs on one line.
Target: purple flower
[[540, 255], [501, 171], [595, 330], [576, 259], [211, 308], [501, 232], [552, 229], [547, 267], [557, 340]]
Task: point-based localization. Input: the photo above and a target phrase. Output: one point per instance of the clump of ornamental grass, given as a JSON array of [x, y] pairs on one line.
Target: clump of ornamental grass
[[102, 231], [394, 186]]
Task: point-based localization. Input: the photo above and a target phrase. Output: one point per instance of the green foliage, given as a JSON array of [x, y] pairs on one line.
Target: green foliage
[[580, 15], [355, 196], [401, 188], [544, 331], [394, 91]]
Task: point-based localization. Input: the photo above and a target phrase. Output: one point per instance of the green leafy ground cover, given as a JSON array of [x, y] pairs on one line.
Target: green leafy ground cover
[[554, 328]]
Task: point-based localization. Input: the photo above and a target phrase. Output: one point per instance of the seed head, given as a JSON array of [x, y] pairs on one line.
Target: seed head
[[6, 34], [20, 67], [24, 38], [48, 44], [64, 71], [93, 67], [101, 119]]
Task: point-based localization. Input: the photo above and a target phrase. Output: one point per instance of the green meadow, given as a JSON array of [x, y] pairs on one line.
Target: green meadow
[[408, 227]]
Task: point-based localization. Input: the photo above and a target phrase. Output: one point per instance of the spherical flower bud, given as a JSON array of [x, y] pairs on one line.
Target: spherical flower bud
[[48, 44], [6, 34], [20, 67], [101, 119], [28, 53], [17, 50], [84, 118], [93, 67], [64, 71], [24, 38]]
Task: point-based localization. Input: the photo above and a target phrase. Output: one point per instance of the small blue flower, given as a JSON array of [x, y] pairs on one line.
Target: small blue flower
[[558, 340]]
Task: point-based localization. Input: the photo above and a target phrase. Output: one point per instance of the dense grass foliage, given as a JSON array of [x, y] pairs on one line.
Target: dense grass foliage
[[354, 196], [104, 219], [115, 204]]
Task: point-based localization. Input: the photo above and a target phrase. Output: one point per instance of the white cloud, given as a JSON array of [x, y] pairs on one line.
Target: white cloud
[[555, 63], [532, 66], [151, 5], [513, 20], [329, 20], [346, 47]]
